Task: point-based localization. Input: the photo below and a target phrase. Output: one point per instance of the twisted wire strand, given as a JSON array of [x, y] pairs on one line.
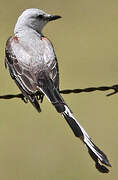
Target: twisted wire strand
[[67, 91]]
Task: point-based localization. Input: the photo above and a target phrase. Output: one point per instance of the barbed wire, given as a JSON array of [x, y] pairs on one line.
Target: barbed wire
[[66, 91], [91, 89]]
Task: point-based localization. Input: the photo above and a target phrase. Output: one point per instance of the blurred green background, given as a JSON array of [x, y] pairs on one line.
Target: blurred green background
[[41, 146]]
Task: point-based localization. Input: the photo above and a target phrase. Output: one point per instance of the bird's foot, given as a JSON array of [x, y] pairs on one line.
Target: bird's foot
[[40, 96]]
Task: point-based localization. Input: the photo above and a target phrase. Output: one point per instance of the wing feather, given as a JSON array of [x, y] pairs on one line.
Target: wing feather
[[21, 75]]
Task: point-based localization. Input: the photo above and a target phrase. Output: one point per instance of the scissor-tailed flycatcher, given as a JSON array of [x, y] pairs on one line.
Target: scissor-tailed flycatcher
[[32, 63]]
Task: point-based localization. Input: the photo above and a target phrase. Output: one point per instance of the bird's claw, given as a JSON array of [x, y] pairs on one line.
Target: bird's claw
[[40, 97], [24, 99]]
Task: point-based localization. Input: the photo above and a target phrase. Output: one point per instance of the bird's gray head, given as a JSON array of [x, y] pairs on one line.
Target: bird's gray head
[[34, 19]]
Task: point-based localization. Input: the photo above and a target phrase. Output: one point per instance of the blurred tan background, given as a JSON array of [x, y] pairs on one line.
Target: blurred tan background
[[41, 146]]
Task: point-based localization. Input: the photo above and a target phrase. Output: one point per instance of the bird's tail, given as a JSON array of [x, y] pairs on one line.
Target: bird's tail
[[55, 98], [96, 154]]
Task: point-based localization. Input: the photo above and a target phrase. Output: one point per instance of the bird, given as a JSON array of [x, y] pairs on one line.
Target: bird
[[32, 63]]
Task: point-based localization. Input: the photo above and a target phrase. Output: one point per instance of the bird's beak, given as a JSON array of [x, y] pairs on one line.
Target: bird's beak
[[53, 17]]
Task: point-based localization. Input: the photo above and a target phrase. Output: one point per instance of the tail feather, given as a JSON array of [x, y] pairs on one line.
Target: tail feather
[[93, 150], [47, 87], [95, 153]]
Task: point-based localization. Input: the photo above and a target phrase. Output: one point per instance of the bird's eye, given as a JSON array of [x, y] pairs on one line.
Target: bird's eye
[[40, 16]]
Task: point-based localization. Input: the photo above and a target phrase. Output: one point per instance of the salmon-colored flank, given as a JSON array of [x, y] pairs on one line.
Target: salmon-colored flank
[[43, 38], [14, 39]]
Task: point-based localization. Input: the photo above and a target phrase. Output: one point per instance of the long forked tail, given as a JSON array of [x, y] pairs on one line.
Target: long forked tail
[[47, 87], [96, 154]]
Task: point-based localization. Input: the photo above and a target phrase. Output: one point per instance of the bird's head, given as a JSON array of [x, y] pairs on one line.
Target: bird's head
[[35, 19]]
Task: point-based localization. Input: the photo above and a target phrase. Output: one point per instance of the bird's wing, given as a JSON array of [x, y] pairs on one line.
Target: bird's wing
[[21, 74]]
